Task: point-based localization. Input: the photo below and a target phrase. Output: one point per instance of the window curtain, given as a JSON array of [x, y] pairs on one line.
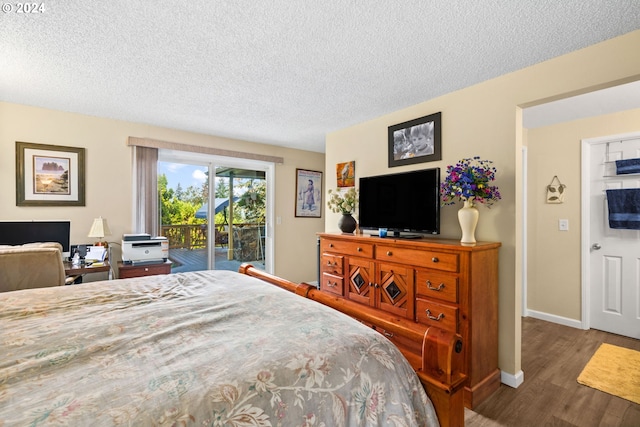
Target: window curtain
[[145, 193]]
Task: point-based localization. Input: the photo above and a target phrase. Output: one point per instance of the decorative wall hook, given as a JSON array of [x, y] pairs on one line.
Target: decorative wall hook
[[555, 191]]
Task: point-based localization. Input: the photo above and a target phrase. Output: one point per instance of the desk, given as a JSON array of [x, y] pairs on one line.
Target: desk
[[83, 269]]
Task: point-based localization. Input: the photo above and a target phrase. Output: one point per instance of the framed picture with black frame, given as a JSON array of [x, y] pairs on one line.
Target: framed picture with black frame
[[49, 175], [308, 193], [416, 141]]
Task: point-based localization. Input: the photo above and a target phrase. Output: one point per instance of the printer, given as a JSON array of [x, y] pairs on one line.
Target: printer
[[144, 249]]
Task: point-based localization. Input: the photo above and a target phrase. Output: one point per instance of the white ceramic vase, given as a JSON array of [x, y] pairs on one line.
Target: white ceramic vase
[[468, 218]]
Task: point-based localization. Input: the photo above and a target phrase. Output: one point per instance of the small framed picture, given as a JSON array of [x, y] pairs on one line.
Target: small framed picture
[[308, 193], [49, 175], [416, 141], [346, 174]]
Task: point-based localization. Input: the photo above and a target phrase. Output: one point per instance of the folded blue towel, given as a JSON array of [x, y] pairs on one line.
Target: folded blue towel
[[624, 208], [627, 166]]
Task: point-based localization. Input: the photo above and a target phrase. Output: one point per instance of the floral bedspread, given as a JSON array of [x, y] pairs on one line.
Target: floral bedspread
[[211, 348]]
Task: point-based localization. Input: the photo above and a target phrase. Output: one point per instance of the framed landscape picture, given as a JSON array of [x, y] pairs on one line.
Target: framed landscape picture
[[308, 193], [49, 175], [416, 141]]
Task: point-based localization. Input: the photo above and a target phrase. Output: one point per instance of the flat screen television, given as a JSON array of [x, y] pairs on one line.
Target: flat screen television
[[21, 232], [401, 202]]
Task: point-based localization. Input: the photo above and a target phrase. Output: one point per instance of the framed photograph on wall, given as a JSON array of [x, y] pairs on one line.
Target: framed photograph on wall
[[416, 141], [308, 193], [49, 175]]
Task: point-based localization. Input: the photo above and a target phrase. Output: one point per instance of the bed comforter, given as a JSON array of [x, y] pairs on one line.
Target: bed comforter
[[212, 348]]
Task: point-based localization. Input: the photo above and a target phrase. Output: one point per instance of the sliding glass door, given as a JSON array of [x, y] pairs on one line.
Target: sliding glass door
[[215, 211]]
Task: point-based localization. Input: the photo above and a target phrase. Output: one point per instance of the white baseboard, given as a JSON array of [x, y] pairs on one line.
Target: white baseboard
[[512, 380], [555, 319]]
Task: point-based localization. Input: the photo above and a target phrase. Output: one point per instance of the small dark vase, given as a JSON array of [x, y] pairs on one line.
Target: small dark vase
[[347, 223]]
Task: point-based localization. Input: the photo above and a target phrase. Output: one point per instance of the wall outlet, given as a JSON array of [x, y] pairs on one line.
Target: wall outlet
[[563, 224]]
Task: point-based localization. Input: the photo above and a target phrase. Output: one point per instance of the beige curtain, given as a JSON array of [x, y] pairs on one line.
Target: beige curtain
[[146, 203]]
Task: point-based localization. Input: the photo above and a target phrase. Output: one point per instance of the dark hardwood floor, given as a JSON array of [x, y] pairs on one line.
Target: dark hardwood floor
[[552, 358]]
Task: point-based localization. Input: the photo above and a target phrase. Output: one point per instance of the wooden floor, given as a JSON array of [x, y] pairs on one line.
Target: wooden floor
[[552, 358]]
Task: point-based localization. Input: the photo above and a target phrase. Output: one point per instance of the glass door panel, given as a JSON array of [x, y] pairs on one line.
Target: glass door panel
[[219, 229], [240, 220], [183, 191]]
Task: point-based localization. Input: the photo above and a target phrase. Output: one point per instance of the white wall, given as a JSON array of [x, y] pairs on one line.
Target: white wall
[[109, 179], [554, 274], [485, 120]]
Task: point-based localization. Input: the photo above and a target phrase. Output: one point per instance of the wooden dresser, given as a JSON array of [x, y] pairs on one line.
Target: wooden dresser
[[435, 282]]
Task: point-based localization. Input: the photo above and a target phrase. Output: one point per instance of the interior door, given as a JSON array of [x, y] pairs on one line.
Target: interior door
[[614, 260]]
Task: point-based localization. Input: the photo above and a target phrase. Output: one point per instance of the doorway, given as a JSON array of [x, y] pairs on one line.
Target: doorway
[[610, 256], [216, 211]]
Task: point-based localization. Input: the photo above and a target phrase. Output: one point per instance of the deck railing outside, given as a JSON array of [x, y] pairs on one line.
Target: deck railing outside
[[184, 236], [194, 236]]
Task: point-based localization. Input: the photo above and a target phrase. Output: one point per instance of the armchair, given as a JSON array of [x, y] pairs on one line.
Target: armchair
[[32, 265]]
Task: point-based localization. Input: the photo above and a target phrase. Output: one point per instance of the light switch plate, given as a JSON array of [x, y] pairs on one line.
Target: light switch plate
[[563, 224]]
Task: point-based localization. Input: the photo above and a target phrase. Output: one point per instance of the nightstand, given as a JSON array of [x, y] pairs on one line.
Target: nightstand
[[126, 271]]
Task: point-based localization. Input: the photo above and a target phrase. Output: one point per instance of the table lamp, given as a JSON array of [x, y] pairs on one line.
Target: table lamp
[[100, 229]]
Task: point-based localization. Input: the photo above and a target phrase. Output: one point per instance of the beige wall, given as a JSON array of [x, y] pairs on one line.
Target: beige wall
[[485, 120], [554, 279], [109, 179]]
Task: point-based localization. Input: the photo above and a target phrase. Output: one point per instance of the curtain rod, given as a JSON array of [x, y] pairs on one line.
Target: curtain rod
[[156, 143]]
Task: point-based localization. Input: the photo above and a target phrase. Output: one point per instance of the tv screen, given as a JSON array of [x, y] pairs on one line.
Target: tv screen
[[21, 232], [402, 202]]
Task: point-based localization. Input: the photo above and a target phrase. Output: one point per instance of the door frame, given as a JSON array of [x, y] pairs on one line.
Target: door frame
[[211, 161], [585, 218]]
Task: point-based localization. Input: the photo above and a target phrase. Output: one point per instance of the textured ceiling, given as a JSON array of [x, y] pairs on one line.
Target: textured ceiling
[[281, 72]]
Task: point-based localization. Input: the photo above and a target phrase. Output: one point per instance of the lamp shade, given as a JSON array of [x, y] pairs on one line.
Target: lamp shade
[[99, 228]]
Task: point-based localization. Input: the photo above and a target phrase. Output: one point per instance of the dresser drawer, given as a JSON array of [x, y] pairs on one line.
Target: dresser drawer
[[348, 248], [434, 314], [127, 271], [437, 285], [430, 259], [332, 284], [332, 263]]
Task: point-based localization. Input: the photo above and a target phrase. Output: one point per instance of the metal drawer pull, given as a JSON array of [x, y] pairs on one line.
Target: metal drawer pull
[[359, 249], [437, 319], [389, 253], [332, 285], [388, 334], [435, 259], [330, 245], [431, 288]]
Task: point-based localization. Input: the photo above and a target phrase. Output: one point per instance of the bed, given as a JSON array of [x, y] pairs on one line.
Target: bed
[[210, 348]]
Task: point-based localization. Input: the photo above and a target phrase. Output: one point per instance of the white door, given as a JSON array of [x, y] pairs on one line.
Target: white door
[[614, 260]]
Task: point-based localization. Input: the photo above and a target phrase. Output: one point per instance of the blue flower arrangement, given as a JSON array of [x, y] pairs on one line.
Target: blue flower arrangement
[[469, 180]]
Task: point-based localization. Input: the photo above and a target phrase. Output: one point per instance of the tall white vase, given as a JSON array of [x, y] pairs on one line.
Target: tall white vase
[[468, 219]]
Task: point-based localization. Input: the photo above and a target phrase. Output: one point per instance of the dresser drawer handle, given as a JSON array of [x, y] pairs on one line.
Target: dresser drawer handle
[[437, 319], [359, 249], [388, 334], [389, 253], [435, 259], [332, 285], [431, 288], [330, 245], [329, 263]]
